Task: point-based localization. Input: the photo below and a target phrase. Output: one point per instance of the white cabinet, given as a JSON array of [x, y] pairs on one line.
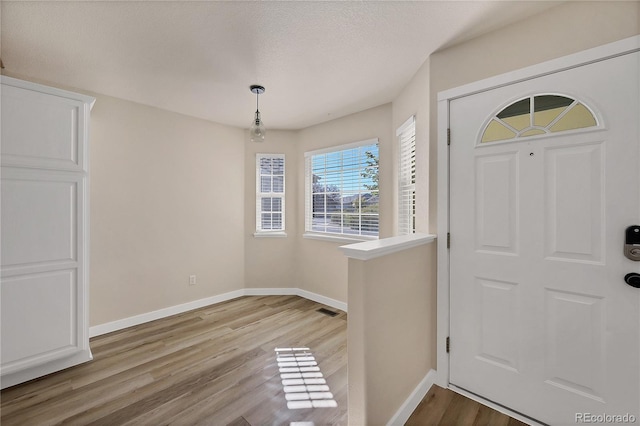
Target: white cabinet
[[44, 230]]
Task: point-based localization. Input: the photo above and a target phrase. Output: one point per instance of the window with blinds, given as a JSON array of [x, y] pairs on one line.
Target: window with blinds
[[341, 192], [269, 193], [407, 177]]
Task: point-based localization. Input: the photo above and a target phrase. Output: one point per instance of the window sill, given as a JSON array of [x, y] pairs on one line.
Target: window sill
[[270, 234], [371, 249], [337, 238]]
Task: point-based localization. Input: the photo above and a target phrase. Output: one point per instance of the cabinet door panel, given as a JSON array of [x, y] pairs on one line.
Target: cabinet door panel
[[39, 219], [38, 318], [41, 131]]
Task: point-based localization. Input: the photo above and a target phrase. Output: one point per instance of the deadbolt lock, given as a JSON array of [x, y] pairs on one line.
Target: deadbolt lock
[[632, 243]]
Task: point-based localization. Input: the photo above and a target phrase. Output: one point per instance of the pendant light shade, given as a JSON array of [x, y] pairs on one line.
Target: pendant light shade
[[256, 130]]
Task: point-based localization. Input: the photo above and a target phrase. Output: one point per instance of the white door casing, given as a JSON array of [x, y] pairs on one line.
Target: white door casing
[[541, 320]]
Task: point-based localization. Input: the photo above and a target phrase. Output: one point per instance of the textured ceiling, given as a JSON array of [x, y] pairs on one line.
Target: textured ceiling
[[318, 60]]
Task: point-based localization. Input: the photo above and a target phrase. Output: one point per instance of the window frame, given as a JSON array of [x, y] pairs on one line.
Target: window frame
[[310, 233], [406, 135], [520, 135], [260, 195]]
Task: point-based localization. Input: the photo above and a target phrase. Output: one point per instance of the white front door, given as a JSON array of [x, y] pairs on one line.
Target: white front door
[[542, 321]]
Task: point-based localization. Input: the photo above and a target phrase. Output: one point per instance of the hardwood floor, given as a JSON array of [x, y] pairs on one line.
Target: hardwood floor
[[445, 407], [213, 366]]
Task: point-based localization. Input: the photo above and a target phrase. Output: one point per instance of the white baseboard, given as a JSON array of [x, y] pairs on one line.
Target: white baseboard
[[297, 292], [49, 367], [112, 326], [411, 403], [271, 291], [322, 299]]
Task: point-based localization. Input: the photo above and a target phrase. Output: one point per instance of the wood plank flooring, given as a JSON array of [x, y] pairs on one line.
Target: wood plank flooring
[[213, 366], [445, 407]]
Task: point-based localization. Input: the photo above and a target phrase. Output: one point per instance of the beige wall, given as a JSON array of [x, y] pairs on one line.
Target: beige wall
[[294, 262], [167, 201], [377, 309], [269, 262], [321, 266], [171, 194], [414, 100], [559, 31], [152, 170], [389, 331]]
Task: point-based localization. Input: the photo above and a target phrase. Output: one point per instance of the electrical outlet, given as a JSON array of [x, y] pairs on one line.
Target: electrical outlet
[[192, 280]]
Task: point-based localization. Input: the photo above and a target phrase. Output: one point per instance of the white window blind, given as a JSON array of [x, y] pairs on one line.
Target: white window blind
[[341, 190], [407, 177], [270, 192]]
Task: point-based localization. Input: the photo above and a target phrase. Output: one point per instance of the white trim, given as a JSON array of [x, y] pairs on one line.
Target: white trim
[[337, 238], [112, 326], [497, 407], [341, 147], [270, 194], [262, 234], [28, 85], [363, 147], [597, 54], [322, 299], [442, 271], [284, 291], [281, 291], [410, 121], [371, 249], [409, 406], [17, 377]]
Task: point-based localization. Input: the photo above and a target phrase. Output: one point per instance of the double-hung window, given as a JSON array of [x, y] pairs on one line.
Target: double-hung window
[[341, 192], [407, 177], [270, 194]]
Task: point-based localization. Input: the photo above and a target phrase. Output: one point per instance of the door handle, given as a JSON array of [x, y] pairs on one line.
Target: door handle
[[632, 279]]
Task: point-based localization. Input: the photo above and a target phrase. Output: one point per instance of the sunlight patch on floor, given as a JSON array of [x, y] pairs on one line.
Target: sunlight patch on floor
[[302, 381]]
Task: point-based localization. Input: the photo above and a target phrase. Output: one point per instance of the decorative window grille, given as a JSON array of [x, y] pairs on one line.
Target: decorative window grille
[[537, 116]]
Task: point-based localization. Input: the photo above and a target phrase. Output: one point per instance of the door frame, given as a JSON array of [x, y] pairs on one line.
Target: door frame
[[607, 51]]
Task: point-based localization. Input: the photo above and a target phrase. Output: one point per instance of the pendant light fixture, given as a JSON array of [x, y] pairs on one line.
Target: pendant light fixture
[[257, 130]]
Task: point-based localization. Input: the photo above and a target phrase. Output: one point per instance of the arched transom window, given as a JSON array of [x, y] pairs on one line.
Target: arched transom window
[[538, 115]]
